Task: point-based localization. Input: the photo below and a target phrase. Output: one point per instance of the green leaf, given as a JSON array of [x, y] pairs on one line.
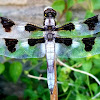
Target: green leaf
[[11, 98], [65, 86], [28, 93], [80, 1], [70, 3], [96, 4], [80, 97], [89, 14], [78, 81], [40, 89], [58, 5], [64, 74], [45, 97], [95, 71], [95, 99], [96, 63], [34, 61], [68, 15], [6, 71], [87, 66], [43, 65], [15, 71], [94, 87], [2, 68]]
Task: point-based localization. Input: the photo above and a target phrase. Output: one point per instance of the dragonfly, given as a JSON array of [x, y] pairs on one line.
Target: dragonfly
[[75, 39]]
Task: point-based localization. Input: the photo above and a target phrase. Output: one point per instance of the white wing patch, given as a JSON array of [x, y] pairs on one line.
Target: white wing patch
[[17, 32], [75, 44], [21, 27], [25, 44]]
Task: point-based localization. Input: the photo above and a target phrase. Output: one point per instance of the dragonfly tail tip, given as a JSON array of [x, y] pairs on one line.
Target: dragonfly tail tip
[[51, 91]]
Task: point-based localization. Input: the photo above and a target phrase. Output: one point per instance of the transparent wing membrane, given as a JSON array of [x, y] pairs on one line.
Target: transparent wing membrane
[[18, 30], [77, 49], [81, 28], [23, 50], [79, 31]]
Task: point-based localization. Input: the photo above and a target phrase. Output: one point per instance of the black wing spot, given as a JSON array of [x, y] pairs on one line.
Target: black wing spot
[[11, 43], [66, 27], [66, 41], [32, 42], [89, 42], [30, 27], [91, 22], [88, 47], [7, 24]]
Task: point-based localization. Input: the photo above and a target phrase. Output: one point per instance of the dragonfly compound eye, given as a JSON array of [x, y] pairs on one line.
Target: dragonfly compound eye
[[50, 13]]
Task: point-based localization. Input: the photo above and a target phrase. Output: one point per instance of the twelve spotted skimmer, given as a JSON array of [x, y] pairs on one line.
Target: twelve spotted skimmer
[[23, 40]]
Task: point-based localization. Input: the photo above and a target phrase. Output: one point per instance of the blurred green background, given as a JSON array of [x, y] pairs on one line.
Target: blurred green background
[[76, 86]]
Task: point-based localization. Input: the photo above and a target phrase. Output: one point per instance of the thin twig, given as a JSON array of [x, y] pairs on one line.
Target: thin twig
[[59, 61], [96, 95], [42, 78], [36, 77]]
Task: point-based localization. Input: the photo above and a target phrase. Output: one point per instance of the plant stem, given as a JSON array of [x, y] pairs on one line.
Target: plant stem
[[54, 96], [88, 83], [64, 11]]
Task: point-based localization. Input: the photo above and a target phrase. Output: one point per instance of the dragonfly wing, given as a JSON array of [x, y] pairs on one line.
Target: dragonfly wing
[[80, 28], [21, 49], [79, 48], [16, 30]]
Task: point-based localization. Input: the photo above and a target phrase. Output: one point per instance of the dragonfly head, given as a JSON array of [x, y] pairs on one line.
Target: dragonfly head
[[49, 12]]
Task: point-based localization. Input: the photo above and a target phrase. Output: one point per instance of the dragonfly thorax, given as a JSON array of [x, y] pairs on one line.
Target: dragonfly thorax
[[50, 28], [50, 36], [49, 22]]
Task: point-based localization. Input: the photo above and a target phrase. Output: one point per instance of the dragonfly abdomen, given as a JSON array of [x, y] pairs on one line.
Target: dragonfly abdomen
[[50, 55]]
